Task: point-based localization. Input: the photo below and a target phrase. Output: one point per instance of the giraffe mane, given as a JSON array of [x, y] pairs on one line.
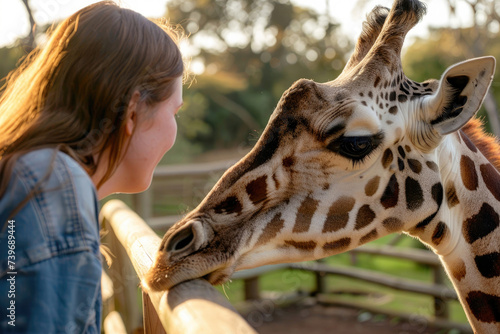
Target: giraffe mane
[[486, 143]]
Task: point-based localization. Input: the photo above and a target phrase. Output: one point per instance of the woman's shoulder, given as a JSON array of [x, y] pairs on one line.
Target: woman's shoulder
[[38, 165], [48, 169], [53, 205], [53, 182]]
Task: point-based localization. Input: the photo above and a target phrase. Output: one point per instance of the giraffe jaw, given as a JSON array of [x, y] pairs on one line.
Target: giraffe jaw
[[163, 276], [191, 250]]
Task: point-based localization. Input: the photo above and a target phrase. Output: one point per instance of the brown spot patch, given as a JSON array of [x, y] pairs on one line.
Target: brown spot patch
[[485, 307], [488, 264], [437, 194], [468, 173], [304, 215], [402, 152], [393, 110], [338, 245], [439, 233], [372, 186], [390, 196], [401, 164], [392, 96], [458, 269], [302, 245], [377, 81], [387, 158], [257, 189], [365, 217], [451, 195], [272, 229], [393, 224], [491, 179], [414, 194], [415, 165], [230, 205], [481, 224], [432, 166], [338, 215], [372, 235], [288, 162]]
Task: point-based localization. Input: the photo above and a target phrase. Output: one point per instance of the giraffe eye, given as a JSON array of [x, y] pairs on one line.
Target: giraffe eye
[[355, 148]]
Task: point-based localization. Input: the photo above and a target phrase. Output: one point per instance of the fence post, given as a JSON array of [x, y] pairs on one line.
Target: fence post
[[251, 288], [152, 323], [441, 309], [320, 280], [125, 281], [143, 203]]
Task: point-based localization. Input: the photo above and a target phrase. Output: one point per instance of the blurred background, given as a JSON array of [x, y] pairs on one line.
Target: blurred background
[[243, 54]]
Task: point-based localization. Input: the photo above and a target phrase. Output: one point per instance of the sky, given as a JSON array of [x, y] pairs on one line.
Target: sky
[[14, 19]]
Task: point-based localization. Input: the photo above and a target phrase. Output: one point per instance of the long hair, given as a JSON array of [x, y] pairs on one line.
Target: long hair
[[72, 94]]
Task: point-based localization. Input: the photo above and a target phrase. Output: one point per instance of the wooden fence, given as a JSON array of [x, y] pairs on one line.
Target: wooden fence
[[192, 306]]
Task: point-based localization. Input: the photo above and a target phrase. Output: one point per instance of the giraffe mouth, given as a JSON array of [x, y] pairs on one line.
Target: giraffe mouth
[[218, 277]]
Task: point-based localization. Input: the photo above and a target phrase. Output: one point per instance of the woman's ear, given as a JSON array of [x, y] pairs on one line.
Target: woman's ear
[[131, 117]]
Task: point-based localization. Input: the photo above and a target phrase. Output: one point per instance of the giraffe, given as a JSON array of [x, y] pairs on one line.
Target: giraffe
[[348, 161]]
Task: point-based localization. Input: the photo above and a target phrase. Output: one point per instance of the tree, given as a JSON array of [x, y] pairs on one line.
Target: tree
[[29, 41]]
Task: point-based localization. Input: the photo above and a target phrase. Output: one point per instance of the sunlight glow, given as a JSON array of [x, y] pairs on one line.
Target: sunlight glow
[[14, 20]]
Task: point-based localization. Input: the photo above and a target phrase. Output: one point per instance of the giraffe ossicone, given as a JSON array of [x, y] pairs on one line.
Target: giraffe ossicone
[[348, 161]]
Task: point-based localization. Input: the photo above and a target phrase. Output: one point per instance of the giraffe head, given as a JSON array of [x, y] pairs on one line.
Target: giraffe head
[[339, 164]]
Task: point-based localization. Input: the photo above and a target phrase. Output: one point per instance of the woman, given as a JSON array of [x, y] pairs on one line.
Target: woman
[[89, 114]]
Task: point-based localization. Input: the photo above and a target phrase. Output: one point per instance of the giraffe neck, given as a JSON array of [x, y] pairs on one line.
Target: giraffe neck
[[466, 233]]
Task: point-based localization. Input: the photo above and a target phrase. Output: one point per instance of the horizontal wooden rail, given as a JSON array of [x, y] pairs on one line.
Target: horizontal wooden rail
[[193, 169], [188, 308], [411, 254], [381, 279]]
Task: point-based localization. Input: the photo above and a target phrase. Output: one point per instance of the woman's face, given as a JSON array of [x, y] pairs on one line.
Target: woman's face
[[152, 137]]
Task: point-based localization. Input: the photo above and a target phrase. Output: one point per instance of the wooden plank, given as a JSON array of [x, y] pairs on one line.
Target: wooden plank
[[107, 290], [255, 272], [113, 324], [125, 282], [152, 323], [382, 279], [190, 307], [416, 255]]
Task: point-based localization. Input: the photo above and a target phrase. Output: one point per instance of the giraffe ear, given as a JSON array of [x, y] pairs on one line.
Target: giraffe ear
[[461, 92]]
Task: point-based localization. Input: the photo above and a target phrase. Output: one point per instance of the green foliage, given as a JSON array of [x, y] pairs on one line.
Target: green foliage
[[429, 58], [9, 57]]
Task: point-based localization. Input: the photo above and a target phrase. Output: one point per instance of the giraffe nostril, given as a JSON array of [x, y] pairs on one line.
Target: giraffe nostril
[[182, 239]]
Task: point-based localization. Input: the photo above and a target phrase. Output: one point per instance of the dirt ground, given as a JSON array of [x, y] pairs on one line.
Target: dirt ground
[[318, 319]]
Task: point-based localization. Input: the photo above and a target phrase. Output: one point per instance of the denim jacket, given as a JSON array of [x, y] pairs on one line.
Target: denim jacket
[[50, 267]]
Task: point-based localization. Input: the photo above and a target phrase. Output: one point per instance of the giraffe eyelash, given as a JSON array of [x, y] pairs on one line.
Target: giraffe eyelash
[[357, 149]]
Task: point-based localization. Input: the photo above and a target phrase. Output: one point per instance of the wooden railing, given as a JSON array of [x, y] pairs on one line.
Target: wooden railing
[[188, 308]]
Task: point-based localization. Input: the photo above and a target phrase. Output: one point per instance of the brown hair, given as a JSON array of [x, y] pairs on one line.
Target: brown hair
[[73, 94]]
